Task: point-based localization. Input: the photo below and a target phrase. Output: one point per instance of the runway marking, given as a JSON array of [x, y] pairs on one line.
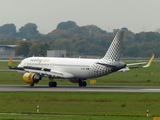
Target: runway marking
[[151, 89]]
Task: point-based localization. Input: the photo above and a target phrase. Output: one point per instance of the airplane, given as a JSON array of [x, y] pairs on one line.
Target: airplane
[[77, 70]]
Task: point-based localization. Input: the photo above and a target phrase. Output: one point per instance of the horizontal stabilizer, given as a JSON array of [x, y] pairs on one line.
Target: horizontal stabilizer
[[107, 65]]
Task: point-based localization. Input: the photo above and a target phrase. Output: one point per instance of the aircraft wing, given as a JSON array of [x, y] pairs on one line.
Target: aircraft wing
[[133, 65], [1, 70], [48, 72], [41, 71]]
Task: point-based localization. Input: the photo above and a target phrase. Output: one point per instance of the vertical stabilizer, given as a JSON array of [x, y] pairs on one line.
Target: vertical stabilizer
[[115, 50]]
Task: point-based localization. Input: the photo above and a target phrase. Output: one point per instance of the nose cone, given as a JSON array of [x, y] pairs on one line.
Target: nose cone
[[118, 66]]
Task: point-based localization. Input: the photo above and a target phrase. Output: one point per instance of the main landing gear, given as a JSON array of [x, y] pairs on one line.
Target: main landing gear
[[52, 83], [82, 83], [32, 84]]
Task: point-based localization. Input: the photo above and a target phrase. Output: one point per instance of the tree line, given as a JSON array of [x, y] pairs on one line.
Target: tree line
[[77, 40]]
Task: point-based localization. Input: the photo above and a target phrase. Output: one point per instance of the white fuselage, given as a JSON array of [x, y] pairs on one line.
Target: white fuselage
[[77, 67]]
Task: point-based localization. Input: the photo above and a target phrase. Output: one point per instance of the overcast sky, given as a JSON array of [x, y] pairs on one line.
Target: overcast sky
[[136, 15]]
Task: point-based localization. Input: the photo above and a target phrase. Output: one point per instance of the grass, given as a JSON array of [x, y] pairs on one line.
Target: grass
[[50, 117], [4, 64], [81, 103]]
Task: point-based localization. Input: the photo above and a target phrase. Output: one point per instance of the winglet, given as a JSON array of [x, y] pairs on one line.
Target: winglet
[[10, 62], [150, 61]]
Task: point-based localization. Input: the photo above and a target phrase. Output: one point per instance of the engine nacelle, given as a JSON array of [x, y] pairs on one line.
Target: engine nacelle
[[74, 80], [31, 78]]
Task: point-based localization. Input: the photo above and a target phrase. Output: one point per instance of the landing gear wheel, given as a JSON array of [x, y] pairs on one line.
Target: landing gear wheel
[[52, 84], [82, 83], [32, 84]]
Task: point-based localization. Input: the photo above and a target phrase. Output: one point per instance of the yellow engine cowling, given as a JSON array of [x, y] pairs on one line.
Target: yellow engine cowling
[[74, 80], [31, 78]]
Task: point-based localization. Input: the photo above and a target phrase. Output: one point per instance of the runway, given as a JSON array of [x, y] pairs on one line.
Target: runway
[[78, 89]]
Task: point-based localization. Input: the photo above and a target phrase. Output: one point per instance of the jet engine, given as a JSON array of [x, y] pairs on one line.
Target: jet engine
[[31, 78], [74, 80]]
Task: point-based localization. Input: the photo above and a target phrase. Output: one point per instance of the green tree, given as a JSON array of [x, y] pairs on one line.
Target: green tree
[[28, 31], [9, 30], [64, 44], [66, 25], [8, 41], [39, 49], [23, 48]]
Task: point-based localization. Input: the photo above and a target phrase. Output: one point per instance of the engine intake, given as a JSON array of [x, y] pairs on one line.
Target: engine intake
[[31, 78]]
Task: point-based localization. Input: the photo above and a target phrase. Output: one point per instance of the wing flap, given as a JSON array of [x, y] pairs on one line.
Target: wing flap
[[53, 73], [44, 73]]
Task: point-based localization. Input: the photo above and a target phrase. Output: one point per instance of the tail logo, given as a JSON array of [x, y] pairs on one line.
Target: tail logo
[[115, 42]]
